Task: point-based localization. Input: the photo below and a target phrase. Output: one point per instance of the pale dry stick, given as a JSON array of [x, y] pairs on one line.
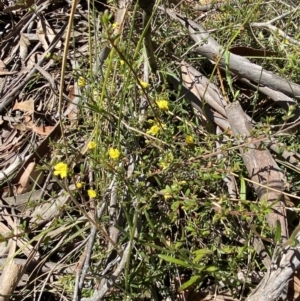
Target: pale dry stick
[[109, 282], [10, 97], [22, 243], [268, 25], [80, 275], [211, 6], [228, 179], [48, 210], [285, 262], [205, 114], [12, 271], [260, 165], [44, 188], [89, 249], [61, 260], [210, 48], [123, 6], [4, 174], [113, 231], [100, 60]]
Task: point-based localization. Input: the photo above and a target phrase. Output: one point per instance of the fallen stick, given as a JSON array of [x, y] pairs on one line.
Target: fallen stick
[[209, 47]]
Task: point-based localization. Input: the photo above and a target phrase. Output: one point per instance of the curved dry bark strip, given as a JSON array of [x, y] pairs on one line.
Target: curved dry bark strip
[[11, 275], [196, 88], [209, 47], [286, 262], [279, 150], [207, 116], [203, 88], [281, 99], [264, 171], [261, 167]]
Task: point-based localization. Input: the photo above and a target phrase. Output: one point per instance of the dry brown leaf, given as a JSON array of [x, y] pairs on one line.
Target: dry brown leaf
[[26, 106], [27, 119], [31, 62], [29, 178], [43, 130], [294, 287], [48, 36], [73, 114], [42, 35], [24, 44], [8, 140], [248, 51], [4, 71]]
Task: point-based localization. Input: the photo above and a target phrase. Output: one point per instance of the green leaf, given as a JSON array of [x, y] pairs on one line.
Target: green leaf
[[200, 254], [190, 282], [174, 260], [211, 269], [243, 189], [278, 232]]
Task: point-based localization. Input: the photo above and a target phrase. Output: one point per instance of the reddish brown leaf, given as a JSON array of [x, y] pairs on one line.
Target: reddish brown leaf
[[248, 51], [43, 130], [26, 106]]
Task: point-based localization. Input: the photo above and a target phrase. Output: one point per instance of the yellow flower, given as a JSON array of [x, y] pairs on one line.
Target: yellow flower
[[92, 145], [163, 164], [92, 193], [79, 185], [48, 55], [189, 139], [155, 129], [167, 195], [114, 153], [61, 169], [115, 25], [144, 84], [81, 81], [162, 104], [122, 62]]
